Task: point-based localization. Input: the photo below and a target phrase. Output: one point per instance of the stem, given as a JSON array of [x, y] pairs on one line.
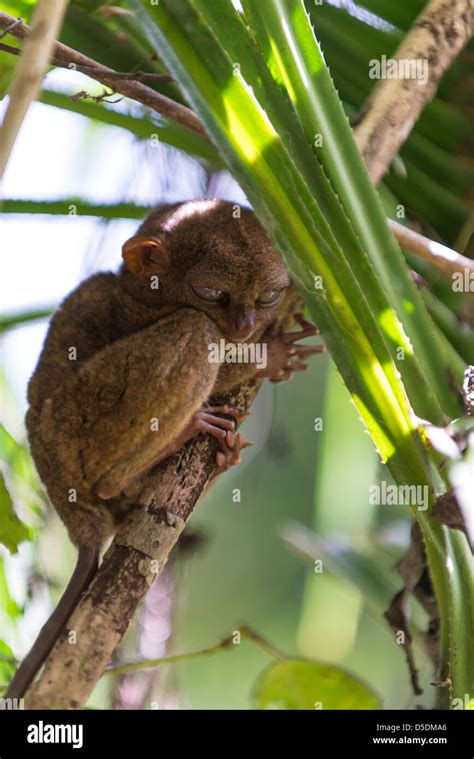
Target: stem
[[228, 642]]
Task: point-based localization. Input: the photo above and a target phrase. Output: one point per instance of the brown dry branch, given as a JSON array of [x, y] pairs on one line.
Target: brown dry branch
[[132, 89], [136, 76], [437, 37], [142, 547]]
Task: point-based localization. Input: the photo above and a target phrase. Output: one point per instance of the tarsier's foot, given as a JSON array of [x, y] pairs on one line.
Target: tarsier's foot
[[230, 442], [284, 355], [223, 463], [204, 420]]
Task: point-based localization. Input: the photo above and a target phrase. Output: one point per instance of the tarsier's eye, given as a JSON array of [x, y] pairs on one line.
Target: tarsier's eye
[[209, 294], [269, 297]]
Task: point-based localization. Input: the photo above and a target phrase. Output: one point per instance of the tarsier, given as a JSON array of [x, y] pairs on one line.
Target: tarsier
[[124, 379]]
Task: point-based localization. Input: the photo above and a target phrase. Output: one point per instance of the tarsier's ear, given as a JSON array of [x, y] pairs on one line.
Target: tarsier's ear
[[145, 256]]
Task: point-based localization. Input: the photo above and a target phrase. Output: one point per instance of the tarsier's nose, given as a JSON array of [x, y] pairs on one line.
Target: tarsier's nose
[[243, 323]]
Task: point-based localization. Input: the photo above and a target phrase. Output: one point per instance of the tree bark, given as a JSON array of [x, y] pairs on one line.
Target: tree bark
[[437, 36]]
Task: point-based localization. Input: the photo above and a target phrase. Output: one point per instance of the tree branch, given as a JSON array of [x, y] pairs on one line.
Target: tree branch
[[437, 36], [445, 259], [135, 76], [132, 89]]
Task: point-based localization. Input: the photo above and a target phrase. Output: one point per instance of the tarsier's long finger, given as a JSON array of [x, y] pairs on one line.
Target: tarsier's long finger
[[305, 324], [229, 410], [218, 421], [298, 366], [284, 375], [216, 432], [290, 337], [303, 351]]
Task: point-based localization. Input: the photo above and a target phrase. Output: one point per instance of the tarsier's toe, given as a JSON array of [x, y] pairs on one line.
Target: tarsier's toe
[[306, 325], [237, 413], [231, 457]]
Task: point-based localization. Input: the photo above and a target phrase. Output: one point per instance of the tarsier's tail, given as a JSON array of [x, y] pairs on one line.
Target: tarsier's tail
[[84, 571]]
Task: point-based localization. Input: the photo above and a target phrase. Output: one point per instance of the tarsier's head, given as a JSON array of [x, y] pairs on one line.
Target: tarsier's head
[[215, 257]]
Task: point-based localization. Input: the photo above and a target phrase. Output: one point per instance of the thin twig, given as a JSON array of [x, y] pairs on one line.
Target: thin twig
[[9, 28], [136, 76], [122, 669], [227, 643], [137, 91]]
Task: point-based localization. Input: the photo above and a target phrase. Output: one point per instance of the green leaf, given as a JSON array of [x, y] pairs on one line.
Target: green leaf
[[8, 321], [80, 208], [159, 128], [7, 666], [7, 604], [7, 68], [12, 530], [299, 684]]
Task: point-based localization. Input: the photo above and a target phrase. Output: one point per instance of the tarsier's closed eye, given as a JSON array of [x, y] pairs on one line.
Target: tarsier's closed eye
[[209, 294], [269, 297]]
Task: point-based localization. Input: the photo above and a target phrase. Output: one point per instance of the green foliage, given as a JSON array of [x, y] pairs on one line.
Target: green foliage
[[299, 684], [7, 665], [12, 530]]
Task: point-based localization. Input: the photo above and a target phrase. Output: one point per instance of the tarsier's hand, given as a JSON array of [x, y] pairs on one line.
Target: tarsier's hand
[[284, 355]]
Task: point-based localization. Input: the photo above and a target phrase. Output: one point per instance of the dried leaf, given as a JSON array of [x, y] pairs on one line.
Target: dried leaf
[[448, 512]]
